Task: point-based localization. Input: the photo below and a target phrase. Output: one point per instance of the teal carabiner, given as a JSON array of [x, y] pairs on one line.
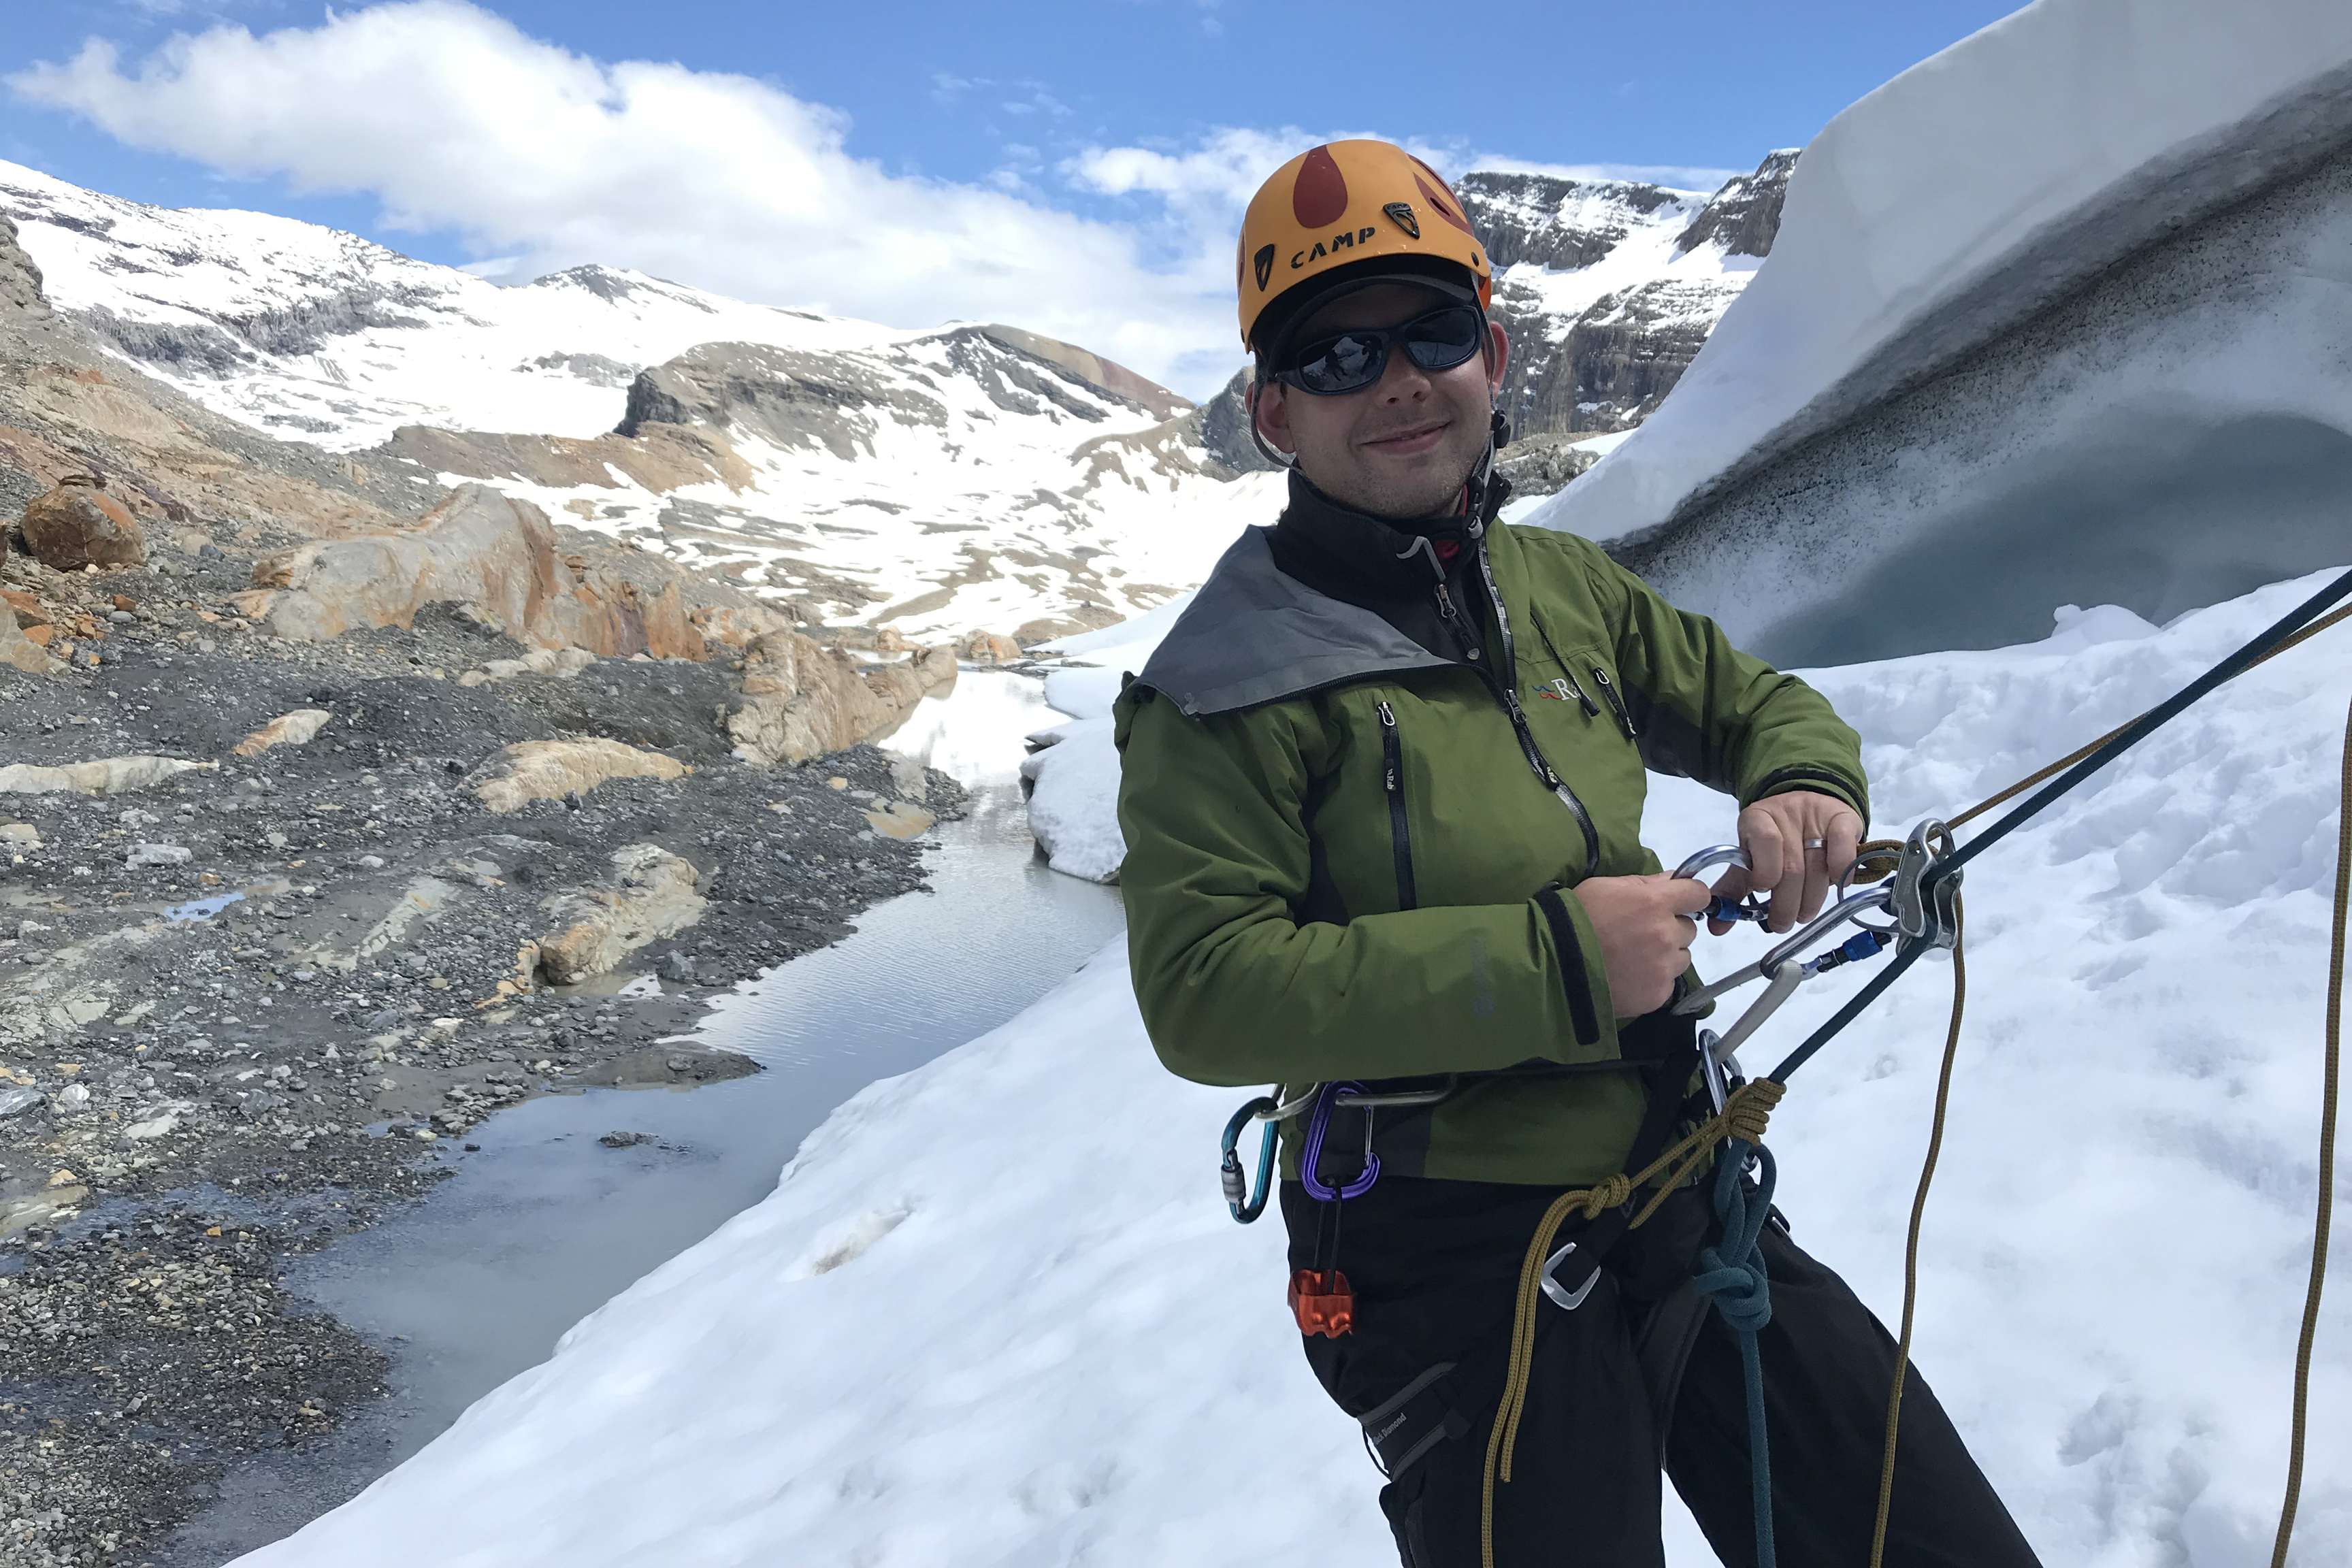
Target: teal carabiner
[[1247, 1205]]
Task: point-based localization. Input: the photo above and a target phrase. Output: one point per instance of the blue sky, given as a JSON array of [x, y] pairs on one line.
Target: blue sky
[[1075, 165]]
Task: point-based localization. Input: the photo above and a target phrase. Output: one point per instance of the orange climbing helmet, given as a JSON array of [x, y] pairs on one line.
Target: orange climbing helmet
[[1342, 204]]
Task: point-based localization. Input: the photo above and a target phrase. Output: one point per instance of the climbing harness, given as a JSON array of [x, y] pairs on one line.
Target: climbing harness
[[1917, 884], [1321, 1296]]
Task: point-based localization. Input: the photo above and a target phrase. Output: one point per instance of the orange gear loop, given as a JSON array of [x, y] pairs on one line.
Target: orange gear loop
[[1343, 202]]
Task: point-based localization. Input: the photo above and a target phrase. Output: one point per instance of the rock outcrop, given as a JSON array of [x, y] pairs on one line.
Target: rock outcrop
[[298, 728], [106, 775], [651, 895], [550, 770], [18, 651], [1744, 217], [497, 557], [20, 280], [78, 524], [987, 647], [803, 699]]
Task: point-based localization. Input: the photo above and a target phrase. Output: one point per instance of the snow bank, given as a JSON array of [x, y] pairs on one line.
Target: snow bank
[[1964, 195], [994, 1312], [1074, 781]]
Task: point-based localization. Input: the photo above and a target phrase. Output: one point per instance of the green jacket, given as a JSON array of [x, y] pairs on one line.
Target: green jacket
[[1346, 856]]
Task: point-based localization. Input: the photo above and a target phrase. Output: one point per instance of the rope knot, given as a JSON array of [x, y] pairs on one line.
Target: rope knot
[[1598, 1200], [1749, 1112]]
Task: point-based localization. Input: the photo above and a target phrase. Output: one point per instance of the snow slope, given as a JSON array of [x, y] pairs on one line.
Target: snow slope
[[315, 333], [1966, 193], [994, 1312]]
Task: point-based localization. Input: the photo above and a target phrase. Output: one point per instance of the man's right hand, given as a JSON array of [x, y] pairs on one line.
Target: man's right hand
[[1644, 935]]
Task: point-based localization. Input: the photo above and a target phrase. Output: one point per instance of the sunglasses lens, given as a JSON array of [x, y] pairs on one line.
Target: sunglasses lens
[[1343, 363], [1443, 339], [1352, 361]]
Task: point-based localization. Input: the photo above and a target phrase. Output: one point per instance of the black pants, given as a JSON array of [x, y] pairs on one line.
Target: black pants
[[1435, 1265]]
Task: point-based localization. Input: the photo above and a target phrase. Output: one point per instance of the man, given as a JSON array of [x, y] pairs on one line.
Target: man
[[1381, 791]]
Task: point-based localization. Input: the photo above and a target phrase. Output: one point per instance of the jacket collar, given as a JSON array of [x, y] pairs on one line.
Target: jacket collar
[[1378, 555]]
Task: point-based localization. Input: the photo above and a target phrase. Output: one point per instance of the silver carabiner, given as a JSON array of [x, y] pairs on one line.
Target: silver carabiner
[[1566, 1300]]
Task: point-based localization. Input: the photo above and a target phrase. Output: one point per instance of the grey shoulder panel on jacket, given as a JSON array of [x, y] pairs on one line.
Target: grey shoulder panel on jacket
[[1254, 635]]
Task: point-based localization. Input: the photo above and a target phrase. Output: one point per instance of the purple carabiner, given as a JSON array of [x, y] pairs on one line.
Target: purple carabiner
[[1311, 1157]]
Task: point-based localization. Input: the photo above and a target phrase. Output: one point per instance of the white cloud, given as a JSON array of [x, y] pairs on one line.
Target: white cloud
[[458, 121]]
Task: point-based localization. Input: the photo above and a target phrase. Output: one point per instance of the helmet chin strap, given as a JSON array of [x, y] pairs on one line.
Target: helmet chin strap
[[1267, 449], [1474, 488]]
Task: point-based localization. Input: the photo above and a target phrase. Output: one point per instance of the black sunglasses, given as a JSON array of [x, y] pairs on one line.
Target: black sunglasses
[[1355, 359]]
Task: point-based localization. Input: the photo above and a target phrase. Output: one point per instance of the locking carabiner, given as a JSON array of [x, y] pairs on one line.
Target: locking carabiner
[[1245, 1204]]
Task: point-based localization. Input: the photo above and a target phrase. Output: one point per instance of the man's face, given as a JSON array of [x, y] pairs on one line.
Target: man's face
[[1404, 446]]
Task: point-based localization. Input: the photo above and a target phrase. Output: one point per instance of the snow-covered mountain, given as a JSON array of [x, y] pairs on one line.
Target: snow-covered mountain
[[1608, 289], [933, 483], [310, 332]]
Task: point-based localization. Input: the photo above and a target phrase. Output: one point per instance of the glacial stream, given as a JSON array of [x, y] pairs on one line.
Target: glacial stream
[[545, 1223]]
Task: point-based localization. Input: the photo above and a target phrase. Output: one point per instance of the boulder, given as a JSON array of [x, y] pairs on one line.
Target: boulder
[[106, 775], [78, 524], [987, 647], [550, 770], [900, 819], [295, 729], [557, 664], [651, 895], [495, 556], [18, 651], [803, 699]]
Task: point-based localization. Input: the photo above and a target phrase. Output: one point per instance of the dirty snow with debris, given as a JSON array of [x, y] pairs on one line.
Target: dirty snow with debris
[[994, 1311]]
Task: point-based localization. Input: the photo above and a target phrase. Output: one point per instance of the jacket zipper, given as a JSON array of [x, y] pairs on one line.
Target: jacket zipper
[[1392, 781], [1616, 702], [1510, 698]]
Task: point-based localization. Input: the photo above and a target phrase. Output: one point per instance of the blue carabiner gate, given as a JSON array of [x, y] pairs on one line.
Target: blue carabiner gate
[[1245, 1204]]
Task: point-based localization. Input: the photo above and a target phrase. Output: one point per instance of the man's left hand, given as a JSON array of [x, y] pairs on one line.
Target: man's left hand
[[1798, 844]]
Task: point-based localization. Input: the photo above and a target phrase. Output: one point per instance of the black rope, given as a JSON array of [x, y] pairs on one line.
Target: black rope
[[1903, 959], [2147, 724]]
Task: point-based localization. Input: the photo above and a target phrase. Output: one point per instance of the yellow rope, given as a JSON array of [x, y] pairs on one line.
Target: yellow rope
[[2330, 1076], [1744, 1116], [1911, 1248]]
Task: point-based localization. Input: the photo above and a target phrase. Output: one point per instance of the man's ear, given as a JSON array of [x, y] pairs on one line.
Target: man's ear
[[1270, 416], [1499, 356]]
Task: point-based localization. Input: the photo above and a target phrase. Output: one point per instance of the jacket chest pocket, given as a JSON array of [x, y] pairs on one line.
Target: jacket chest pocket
[[1579, 677]]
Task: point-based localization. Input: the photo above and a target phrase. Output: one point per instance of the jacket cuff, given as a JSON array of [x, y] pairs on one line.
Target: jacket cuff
[[1584, 982], [1810, 776]]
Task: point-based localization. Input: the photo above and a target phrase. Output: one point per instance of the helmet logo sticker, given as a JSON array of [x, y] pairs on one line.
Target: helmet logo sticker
[[1265, 264], [1320, 196], [1400, 214]]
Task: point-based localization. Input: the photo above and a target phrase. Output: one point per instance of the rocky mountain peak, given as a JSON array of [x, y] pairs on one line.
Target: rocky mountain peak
[[1554, 221], [20, 280], [1744, 215]]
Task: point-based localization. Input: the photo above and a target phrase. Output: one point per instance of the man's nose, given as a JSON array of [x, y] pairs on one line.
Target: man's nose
[[1402, 381]]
